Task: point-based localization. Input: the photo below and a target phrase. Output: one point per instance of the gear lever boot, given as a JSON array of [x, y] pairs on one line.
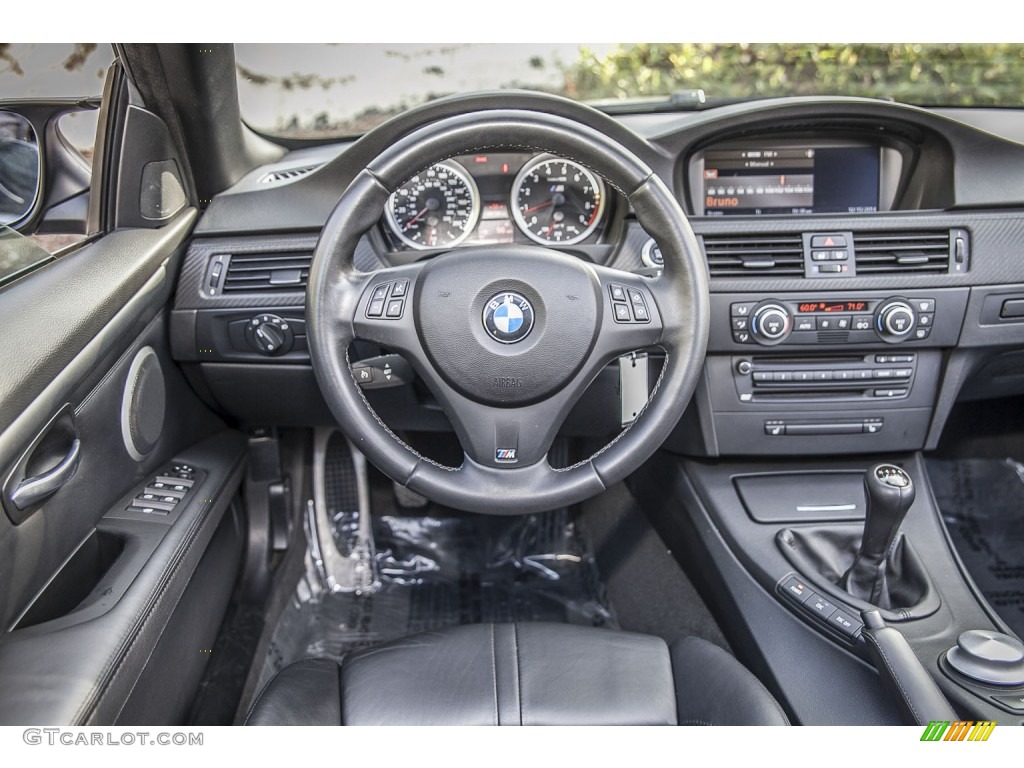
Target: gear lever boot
[[890, 492]]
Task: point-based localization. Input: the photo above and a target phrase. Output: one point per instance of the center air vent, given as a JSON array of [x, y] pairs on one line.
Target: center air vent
[[747, 256], [282, 271], [908, 252], [287, 174]]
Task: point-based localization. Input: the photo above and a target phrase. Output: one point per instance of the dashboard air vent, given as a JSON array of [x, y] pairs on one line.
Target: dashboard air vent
[[747, 256], [287, 174], [910, 252], [283, 271]]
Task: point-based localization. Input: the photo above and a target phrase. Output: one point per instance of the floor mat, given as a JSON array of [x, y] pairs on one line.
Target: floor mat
[[442, 568], [982, 502]]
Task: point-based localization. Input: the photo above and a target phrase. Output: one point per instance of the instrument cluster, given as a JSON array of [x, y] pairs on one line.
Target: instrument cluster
[[492, 198]]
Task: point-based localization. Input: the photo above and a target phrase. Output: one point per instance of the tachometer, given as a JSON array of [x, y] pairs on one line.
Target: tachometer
[[437, 208], [557, 201]]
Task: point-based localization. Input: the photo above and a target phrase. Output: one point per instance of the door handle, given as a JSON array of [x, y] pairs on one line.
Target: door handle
[[32, 490]]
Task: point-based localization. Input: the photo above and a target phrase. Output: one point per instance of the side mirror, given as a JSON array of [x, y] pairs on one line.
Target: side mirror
[[19, 168]]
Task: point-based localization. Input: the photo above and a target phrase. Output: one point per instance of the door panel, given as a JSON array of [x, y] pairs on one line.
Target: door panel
[[86, 588]]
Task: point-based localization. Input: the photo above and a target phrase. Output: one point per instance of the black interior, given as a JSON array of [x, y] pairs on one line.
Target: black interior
[[800, 463]]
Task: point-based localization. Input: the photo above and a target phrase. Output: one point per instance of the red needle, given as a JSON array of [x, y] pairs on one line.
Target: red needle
[[551, 228], [415, 218], [538, 207]]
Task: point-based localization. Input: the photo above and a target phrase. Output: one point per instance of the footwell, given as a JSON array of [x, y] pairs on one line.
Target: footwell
[[982, 502], [442, 568]]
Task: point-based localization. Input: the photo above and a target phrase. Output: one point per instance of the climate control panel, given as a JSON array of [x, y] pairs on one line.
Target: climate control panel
[[862, 320]]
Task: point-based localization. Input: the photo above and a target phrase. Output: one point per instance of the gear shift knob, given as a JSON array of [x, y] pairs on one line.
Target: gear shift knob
[[890, 492]]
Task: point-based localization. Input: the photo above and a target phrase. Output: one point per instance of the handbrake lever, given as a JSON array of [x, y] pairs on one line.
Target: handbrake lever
[[919, 698]]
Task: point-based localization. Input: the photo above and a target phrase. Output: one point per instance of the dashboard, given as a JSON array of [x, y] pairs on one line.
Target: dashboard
[[865, 262]]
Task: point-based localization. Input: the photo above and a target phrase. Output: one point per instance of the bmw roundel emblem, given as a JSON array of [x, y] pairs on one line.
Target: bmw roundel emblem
[[508, 317]]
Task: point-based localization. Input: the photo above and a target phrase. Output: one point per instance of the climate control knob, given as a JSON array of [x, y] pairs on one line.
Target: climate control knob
[[770, 323], [895, 320]]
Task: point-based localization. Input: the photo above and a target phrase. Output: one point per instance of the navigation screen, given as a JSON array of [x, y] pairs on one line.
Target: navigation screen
[[809, 179]]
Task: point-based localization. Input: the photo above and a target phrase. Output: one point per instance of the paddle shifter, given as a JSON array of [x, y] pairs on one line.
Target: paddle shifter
[[890, 492]]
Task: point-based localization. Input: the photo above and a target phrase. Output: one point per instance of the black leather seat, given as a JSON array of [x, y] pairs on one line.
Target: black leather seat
[[521, 674]]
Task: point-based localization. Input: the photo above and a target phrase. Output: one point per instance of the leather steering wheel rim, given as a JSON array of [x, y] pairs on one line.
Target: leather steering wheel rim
[[337, 296]]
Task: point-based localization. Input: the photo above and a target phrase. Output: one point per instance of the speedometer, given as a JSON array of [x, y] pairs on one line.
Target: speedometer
[[436, 208], [557, 201]]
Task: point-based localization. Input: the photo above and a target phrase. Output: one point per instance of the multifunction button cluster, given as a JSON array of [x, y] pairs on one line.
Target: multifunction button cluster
[[629, 305], [840, 618], [774, 321], [164, 492], [830, 254], [387, 300], [887, 376]]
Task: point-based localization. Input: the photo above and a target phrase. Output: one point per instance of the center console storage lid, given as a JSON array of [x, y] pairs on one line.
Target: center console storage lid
[[796, 497]]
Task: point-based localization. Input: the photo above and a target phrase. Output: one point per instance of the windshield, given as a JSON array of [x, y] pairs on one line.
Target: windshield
[[316, 91]]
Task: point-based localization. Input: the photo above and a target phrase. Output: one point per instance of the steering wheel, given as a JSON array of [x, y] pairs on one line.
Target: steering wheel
[[507, 337]]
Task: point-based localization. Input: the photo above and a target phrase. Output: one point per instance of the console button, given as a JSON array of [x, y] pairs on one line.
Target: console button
[[862, 323], [845, 623], [830, 267], [823, 375], [740, 323], [843, 375], [903, 373], [773, 326], [872, 426], [782, 376], [820, 605], [890, 392], [762, 376], [922, 333], [742, 309], [805, 324], [843, 323], [885, 359], [796, 588], [924, 305], [803, 375], [774, 428], [828, 241], [741, 337], [883, 373], [924, 319], [862, 374]]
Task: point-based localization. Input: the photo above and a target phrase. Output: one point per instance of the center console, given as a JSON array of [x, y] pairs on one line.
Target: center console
[[842, 371]]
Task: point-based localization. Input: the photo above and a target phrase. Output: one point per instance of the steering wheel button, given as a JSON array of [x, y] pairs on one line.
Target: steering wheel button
[[400, 289], [395, 308], [640, 313], [618, 292], [622, 313], [380, 293], [635, 296], [375, 309]]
